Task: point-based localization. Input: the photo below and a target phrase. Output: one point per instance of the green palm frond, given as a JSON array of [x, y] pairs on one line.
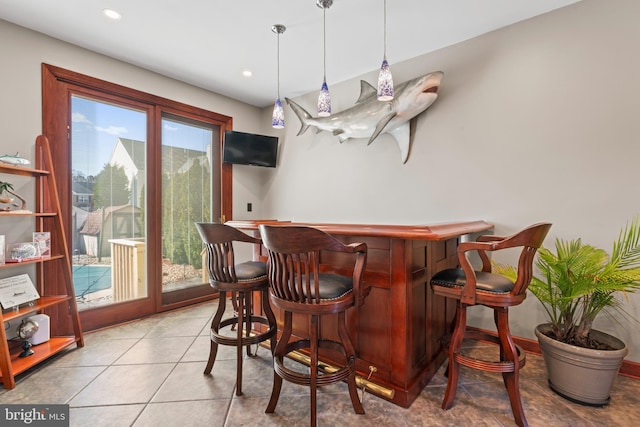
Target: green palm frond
[[4, 186]]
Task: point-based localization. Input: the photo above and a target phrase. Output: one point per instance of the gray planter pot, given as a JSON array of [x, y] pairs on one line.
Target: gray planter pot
[[581, 374]]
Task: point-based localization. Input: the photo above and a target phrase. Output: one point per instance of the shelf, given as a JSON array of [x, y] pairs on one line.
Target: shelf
[[31, 261], [40, 304], [40, 353], [18, 170], [38, 214]]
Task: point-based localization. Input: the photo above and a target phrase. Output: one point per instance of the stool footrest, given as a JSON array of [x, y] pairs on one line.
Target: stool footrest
[[300, 378], [489, 365], [247, 339]]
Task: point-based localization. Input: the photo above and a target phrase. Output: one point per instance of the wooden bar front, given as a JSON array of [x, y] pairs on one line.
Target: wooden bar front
[[397, 330]]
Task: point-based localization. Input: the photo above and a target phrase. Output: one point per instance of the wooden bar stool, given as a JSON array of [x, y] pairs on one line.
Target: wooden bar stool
[[298, 286], [240, 280], [470, 287]]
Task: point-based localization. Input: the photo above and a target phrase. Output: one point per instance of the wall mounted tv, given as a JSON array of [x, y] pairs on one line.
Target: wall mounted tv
[[249, 149]]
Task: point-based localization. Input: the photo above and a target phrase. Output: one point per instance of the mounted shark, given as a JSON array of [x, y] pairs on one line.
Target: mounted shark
[[370, 117]]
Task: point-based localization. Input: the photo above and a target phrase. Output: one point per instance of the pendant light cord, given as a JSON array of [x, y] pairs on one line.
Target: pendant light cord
[[385, 29], [324, 42], [278, 54]]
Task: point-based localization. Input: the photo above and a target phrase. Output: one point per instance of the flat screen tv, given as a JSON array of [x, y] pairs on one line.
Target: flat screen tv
[[249, 149]]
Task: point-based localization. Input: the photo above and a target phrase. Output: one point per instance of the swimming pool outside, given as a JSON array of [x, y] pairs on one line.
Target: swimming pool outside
[[88, 279]]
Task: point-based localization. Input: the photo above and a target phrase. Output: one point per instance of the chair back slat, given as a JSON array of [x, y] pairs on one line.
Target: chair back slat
[[294, 276], [220, 262], [218, 240]]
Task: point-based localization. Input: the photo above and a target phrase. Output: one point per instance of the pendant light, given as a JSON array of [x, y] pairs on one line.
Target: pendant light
[[324, 99], [385, 79], [277, 120]]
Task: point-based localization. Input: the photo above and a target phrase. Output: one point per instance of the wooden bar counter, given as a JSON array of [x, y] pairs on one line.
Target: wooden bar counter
[[398, 329]]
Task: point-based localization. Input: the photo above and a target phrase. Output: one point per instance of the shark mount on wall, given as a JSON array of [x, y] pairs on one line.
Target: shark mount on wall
[[370, 117]]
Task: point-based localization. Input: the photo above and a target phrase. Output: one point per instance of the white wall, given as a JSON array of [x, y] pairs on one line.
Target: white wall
[[535, 122]]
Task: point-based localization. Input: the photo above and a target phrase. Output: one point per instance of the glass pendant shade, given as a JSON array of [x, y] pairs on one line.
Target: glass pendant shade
[[277, 120], [324, 101], [385, 82]]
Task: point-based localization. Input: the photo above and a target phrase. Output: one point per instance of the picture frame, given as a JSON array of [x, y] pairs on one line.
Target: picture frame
[[17, 290], [42, 240]]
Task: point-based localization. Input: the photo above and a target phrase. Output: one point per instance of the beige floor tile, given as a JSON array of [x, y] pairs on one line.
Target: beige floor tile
[[104, 416], [156, 350], [184, 414], [178, 327], [124, 384], [51, 385], [187, 382], [96, 352]]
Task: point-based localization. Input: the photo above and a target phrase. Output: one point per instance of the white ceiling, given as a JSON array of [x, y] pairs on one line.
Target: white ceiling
[[209, 43]]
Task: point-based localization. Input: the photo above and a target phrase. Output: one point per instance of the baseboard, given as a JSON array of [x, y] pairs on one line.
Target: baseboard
[[628, 368]]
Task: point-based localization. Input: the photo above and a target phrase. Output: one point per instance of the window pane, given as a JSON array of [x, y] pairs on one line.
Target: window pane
[[109, 145], [186, 199]]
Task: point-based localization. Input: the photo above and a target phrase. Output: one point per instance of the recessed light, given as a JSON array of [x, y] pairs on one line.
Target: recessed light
[[110, 13], [247, 73]]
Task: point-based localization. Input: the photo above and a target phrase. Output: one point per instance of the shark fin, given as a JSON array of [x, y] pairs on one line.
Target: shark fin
[[302, 115], [381, 124], [402, 134], [341, 135], [366, 91]]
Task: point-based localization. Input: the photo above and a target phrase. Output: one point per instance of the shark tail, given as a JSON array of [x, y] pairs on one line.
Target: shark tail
[[302, 115]]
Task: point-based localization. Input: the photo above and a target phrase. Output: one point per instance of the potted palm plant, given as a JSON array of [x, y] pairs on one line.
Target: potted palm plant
[[575, 284]]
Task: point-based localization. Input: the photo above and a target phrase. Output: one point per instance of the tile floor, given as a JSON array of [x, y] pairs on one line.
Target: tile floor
[[149, 373]]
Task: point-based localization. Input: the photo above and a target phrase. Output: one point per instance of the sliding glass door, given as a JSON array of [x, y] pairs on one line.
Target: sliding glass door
[[108, 167], [188, 197]]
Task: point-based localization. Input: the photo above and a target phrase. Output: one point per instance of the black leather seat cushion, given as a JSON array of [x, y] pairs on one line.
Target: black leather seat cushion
[[487, 282], [332, 286], [250, 270]]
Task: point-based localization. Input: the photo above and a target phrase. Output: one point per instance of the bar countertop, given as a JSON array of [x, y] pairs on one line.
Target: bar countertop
[[441, 231]]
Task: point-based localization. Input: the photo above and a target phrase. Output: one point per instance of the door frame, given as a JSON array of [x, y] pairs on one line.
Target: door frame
[[57, 86]]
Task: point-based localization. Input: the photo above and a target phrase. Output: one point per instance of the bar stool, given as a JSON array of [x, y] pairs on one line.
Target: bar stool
[[243, 280], [469, 287], [297, 285]]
